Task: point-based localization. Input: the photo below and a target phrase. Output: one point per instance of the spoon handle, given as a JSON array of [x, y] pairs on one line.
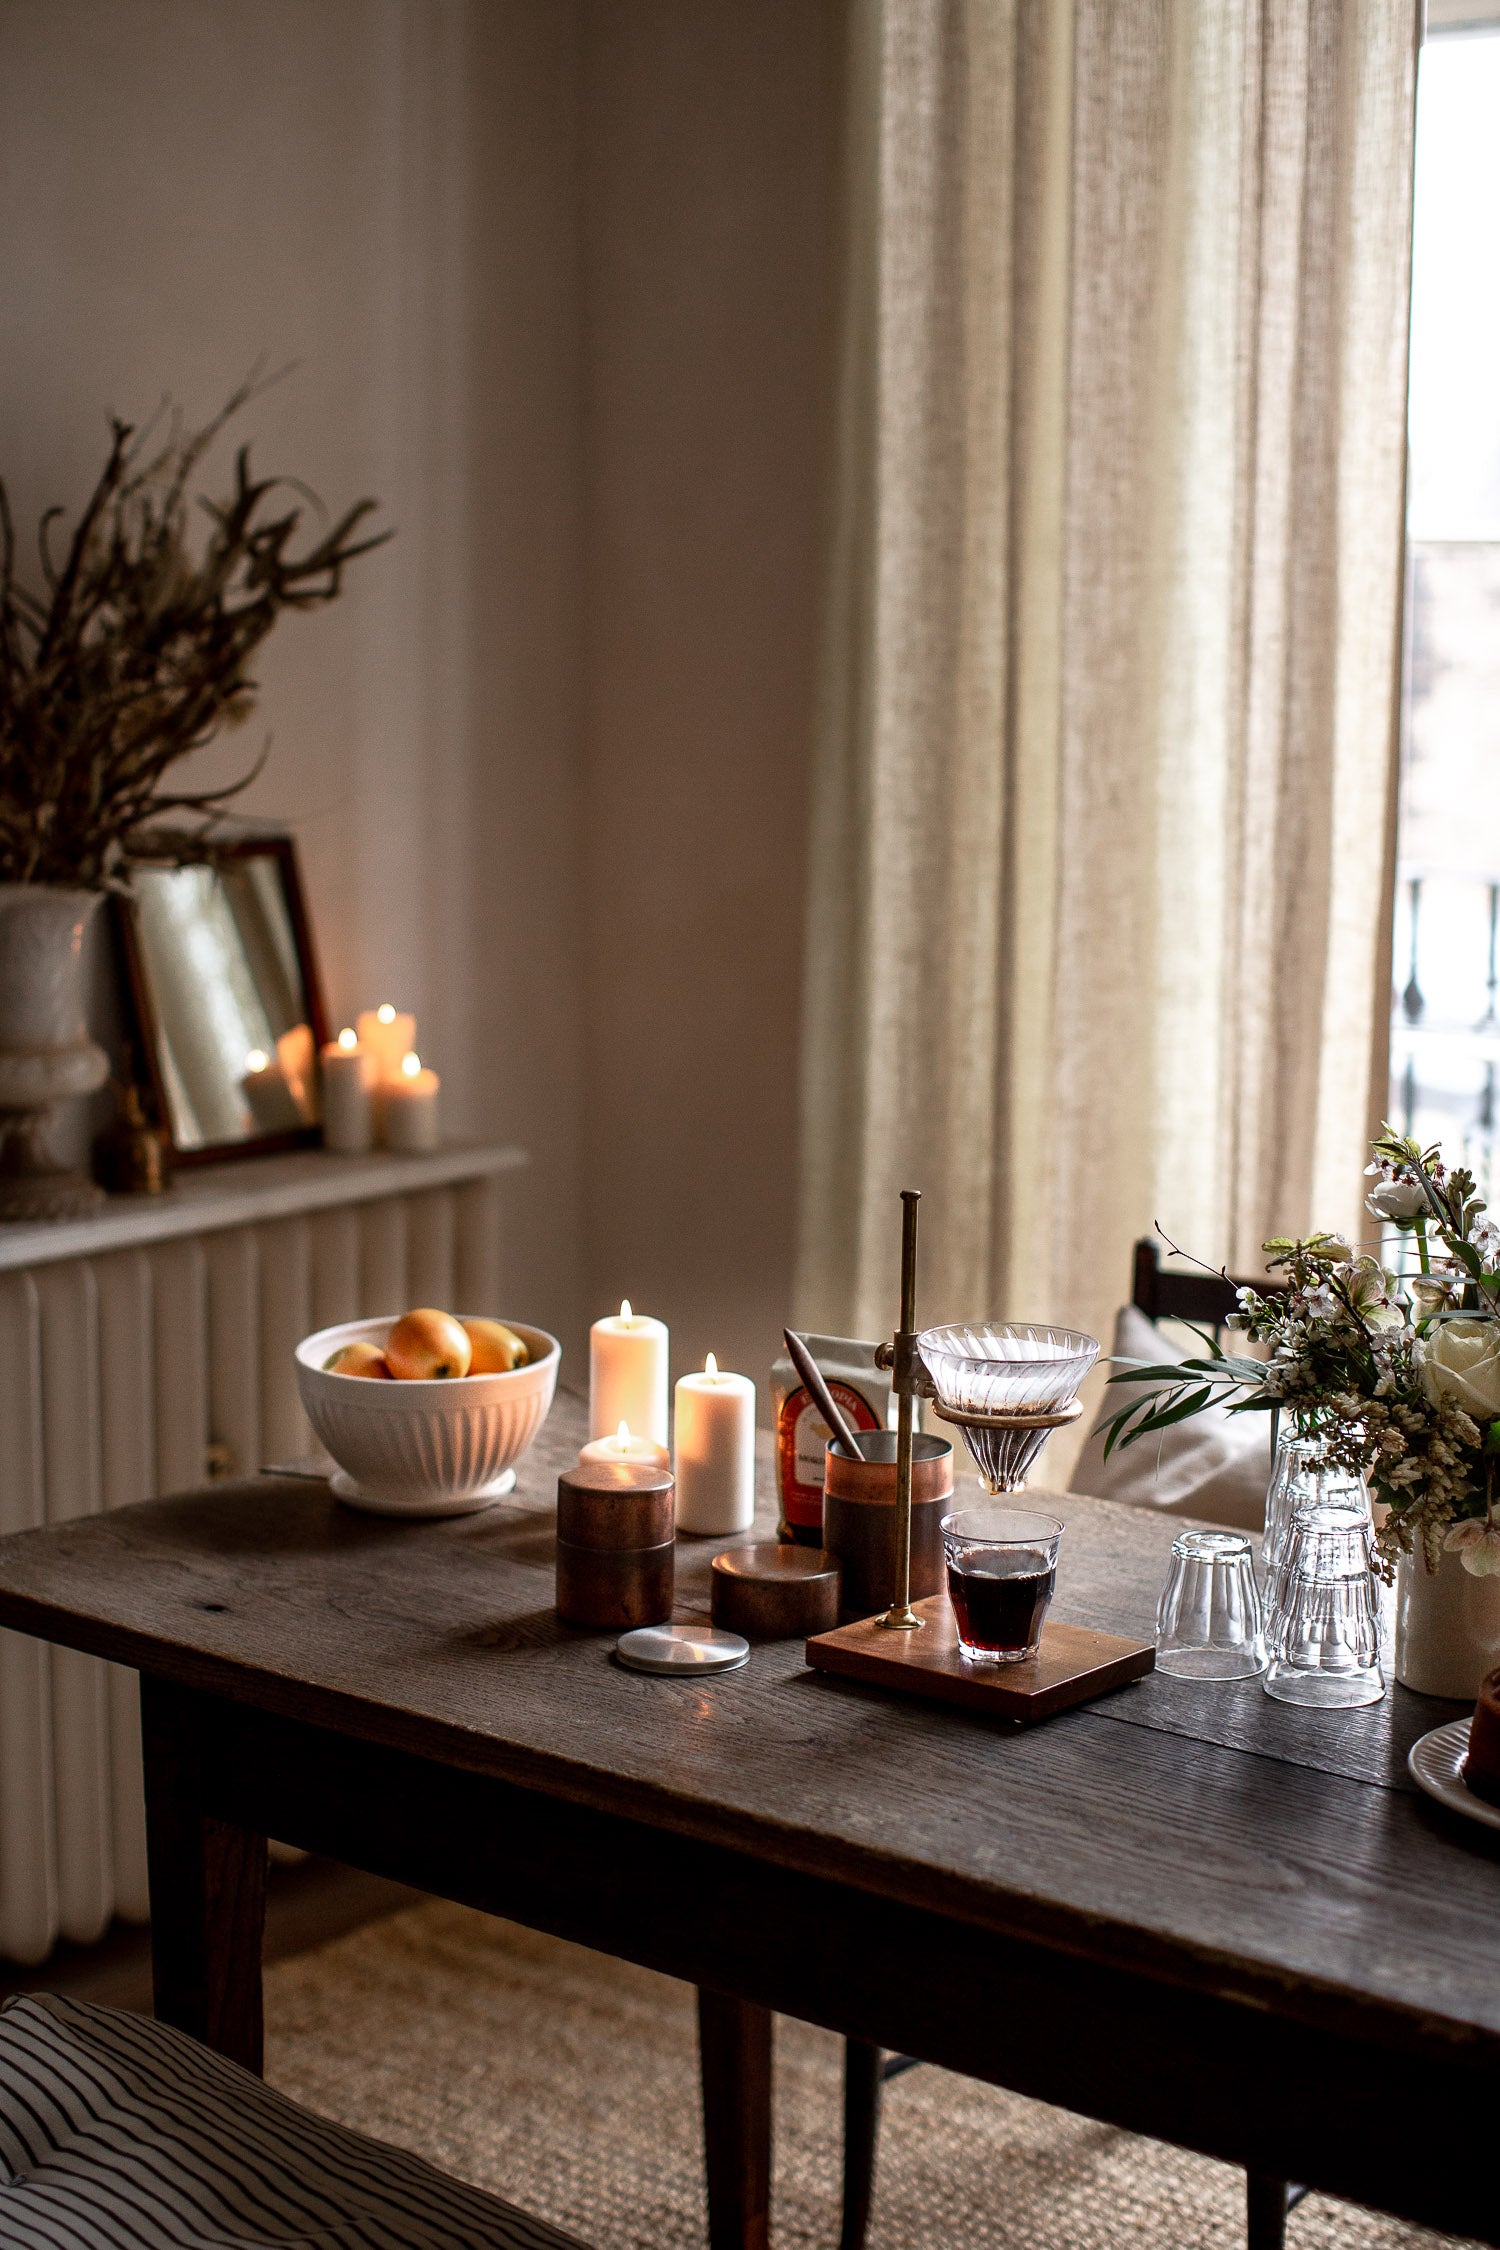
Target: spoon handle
[[823, 1398]]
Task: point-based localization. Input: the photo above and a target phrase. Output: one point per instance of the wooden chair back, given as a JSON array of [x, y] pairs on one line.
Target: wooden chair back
[[1206, 1299]]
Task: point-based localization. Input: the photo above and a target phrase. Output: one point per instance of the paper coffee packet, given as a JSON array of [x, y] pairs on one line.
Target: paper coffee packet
[[864, 1394]]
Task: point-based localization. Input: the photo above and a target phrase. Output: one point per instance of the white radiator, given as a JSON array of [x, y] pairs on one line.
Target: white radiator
[[145, 1352]]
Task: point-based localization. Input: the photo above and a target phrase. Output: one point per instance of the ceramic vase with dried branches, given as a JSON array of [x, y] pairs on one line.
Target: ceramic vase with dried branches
[[133, 656]]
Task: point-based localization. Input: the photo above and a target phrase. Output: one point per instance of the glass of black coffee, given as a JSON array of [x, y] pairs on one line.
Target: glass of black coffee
[[1002, 1566]]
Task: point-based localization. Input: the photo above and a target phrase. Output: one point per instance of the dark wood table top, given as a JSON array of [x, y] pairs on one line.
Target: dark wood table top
[[1198, 1834]]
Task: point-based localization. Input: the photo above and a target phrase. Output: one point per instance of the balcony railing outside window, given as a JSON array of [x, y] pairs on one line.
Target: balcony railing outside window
[[1445, 1014]]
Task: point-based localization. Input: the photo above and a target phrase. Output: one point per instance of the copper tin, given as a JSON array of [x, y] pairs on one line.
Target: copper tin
[[859, 1516], [775, 1593], [614, 1505], [616, 1549]]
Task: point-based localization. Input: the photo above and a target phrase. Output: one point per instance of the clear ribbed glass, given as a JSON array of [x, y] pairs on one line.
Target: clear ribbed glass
[[1006, 1367], [1302, 1477], [1208, 1621], [1325, 1612]]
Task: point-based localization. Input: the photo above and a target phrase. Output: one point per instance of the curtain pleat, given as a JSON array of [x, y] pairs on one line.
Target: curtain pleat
[[1102, 799]]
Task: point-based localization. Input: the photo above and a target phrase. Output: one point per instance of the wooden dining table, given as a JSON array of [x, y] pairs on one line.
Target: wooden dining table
[[1182, 1909]]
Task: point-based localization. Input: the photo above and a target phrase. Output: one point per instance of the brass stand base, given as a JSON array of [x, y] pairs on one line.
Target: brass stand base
[[901, 1618]]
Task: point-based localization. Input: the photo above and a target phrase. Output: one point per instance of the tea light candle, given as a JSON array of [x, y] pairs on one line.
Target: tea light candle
[[409, 1108], [270, 1097], [348, 1110], [628, 1375], [715, 1442], [387, 1037], [624, 1450]]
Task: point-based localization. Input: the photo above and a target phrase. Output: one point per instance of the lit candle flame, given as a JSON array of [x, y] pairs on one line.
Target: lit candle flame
[[385, 1013], [710, 1365], [622, 1437], [348, 1040], [257, 1060], [410, 1064], [625, 1311]]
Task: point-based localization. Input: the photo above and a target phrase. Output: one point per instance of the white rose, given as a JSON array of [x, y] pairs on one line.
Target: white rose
[[1460, 1364], [1395, 1199]]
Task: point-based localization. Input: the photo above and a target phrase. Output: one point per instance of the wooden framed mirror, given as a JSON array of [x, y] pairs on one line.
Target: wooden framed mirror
[[220, 963]]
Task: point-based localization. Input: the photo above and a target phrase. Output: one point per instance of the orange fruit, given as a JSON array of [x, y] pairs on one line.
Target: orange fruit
[[494, 1349], [425, 1346], [358, 1359]]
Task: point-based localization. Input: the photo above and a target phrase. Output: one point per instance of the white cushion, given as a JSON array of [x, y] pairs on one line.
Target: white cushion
[[1216, 1464]]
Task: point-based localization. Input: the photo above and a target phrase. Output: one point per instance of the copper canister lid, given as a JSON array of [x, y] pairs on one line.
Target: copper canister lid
[[774, 1593], [616, 1505]]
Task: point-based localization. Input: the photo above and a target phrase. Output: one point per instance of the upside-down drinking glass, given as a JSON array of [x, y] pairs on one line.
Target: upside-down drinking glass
[[1005, 1367], [1294, 1453], [1325, 1613], [1208, 1621]]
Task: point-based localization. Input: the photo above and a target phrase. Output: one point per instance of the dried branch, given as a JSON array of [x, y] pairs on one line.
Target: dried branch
[[137, 653]]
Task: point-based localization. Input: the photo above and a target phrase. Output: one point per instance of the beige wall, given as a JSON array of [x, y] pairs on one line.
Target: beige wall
[[554, 274], [708, 178]]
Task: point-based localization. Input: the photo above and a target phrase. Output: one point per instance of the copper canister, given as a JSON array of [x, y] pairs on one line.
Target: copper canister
[[859, 1516], [616, 1544], [774, 1593]]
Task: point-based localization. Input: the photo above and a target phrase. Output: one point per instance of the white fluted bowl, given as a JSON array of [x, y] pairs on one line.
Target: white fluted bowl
[[424, 1449]]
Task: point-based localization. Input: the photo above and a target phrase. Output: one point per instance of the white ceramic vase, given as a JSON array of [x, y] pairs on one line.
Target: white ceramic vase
[[1447, 1627], [46, 1054]]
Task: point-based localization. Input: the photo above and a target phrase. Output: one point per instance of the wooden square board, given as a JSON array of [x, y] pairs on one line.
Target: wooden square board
[[1073, 1665]]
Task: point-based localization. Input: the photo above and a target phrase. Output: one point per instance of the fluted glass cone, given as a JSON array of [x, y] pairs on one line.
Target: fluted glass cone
[[1003, 1368]]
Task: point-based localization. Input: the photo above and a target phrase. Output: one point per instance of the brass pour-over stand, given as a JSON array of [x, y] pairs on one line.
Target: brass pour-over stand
[[1072, 1664], [1003, 1445]]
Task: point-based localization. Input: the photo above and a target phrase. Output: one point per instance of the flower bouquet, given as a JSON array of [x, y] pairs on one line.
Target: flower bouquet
[[1398, 1373]]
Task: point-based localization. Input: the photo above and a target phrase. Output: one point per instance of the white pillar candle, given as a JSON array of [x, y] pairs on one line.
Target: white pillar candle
[[626, 1450], [409, 1108], [628, 1375], [270, 1097], [348, 1109], [715, 1449], [388, 1037]]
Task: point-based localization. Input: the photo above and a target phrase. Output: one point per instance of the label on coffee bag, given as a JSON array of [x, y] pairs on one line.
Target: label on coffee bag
[[801, 1438]]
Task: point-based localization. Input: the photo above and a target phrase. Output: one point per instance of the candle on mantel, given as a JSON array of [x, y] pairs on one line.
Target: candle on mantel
[[294, 1052], [409, 1108], [625, 1451], [348, 1107], [715, 1451], [388, 1037], [272, 1105], [628, 1375]]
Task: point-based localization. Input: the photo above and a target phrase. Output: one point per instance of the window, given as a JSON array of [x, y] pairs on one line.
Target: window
[[1445, 1025]]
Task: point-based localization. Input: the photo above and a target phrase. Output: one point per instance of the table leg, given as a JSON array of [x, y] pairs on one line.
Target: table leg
[[863, 2077], [734, 2049], [208, 1885]]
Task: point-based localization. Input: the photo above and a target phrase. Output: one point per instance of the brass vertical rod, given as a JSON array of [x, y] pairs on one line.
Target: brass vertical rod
[[901, 1616]]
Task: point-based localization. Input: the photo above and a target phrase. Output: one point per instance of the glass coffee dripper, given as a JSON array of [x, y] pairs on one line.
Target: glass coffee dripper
[[1007, 1385]]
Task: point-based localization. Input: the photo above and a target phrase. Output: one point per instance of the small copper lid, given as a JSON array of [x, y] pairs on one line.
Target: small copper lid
[[775, 1593], [616, 1505]]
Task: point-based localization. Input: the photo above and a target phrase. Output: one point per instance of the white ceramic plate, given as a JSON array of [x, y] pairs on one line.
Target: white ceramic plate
[[1434, 1763]]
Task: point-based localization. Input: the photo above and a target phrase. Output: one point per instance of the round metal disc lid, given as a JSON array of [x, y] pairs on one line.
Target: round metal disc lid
[[680, 1650]]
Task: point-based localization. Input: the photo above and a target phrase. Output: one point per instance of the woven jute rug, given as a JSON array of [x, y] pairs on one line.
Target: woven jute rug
[[568, 2082]]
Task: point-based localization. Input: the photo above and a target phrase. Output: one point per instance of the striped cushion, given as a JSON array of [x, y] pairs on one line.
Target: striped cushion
[[117, 2133]]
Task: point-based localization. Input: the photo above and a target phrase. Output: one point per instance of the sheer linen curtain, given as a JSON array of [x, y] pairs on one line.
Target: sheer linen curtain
[[1104, 791]]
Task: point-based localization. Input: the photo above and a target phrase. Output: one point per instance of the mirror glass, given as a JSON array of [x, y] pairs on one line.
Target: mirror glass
[[228, 999]]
